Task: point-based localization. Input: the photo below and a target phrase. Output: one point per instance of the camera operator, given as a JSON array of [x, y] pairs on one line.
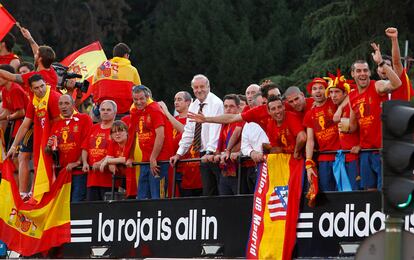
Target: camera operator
[[68, 83]]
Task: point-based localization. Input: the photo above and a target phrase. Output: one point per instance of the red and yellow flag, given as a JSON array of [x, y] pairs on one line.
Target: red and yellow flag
[[7, 22], [85, 61], [114, 80], [275, 208], [29, 229], [42, 161]]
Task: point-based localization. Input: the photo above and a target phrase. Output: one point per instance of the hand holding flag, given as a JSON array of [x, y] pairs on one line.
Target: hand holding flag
[[7, 22]]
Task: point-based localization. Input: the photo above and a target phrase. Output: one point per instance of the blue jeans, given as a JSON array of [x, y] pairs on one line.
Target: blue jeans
[[370, 168], [227, 185], [326, 177], [150, 187], [352, 172], [78, 187]]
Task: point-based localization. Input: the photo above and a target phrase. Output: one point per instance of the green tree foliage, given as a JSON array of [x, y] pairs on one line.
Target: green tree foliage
[[343, 31], [234, 43], [68, 25]]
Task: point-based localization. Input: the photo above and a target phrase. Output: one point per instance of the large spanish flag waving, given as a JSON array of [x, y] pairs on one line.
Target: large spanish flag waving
[[114, 80], [85, 61], [44, 176], [7, 21], [276, 208], [29, 229]]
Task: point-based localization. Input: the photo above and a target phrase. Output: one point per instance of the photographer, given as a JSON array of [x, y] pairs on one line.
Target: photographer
[[67, 81]]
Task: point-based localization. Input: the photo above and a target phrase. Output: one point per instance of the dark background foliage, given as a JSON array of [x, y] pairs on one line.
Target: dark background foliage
[[233, 42]]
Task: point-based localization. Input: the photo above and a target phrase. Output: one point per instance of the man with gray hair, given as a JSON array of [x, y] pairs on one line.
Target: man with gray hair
[[94, 151], [154, 133], [203, 138]]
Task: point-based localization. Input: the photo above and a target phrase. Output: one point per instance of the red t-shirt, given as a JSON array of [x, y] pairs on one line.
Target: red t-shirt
[[258, 115], [49, 76], [191, 178], [348, 140], [405, 92], [301, 114], [15, 99], [115, 150], [97, 145], [367, 109], [145, 122], [325, 130], [284, 136], [70, 133], [6, 59], [52, 107], [230, 167]]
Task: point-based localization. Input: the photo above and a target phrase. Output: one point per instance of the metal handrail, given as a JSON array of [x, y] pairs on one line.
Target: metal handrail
[[240, 159]]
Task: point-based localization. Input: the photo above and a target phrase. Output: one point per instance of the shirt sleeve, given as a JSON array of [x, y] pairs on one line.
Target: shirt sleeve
[[307, 120], [18, 99], [214, 129], [30, 111]]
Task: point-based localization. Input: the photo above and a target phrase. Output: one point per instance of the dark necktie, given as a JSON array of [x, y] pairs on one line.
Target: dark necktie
[[197, 131]]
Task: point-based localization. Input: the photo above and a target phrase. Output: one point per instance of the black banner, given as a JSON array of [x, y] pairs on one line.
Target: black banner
[[179, 227], [160, 228]]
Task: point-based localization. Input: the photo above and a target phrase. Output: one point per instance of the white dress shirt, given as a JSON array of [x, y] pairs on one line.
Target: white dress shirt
[[252, 138], [210, 132]]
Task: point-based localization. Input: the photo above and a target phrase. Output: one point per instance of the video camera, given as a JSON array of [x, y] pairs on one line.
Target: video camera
[[64, 76]]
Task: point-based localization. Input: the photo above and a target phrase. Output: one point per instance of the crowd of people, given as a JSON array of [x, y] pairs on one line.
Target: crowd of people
[[131, 128]]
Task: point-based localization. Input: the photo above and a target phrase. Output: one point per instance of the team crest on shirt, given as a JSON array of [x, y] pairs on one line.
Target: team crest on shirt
[[75, 129], [148, 119]]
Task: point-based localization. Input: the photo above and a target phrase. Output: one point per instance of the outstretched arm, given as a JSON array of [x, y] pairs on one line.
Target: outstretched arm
[[392, 33], [222, 119], [26, 34], [394, 82]]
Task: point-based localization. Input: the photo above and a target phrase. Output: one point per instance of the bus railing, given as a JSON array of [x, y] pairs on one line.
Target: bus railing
[[239, 161]]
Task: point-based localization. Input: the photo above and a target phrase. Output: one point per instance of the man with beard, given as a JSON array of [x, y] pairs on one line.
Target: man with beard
[[44, 56], [338, 90], [365, 104]]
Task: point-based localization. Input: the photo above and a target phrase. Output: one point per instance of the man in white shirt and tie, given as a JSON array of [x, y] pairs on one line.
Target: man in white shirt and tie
[[203, 137]]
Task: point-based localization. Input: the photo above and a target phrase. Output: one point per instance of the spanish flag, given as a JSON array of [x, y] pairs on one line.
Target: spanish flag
[[132, 174], [276, 208], [7, 22], [29, 229], [42, 161], [85, 61], [114, 80]]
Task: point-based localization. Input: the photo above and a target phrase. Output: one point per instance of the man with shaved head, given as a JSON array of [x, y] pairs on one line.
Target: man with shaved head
[[70, 131]]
